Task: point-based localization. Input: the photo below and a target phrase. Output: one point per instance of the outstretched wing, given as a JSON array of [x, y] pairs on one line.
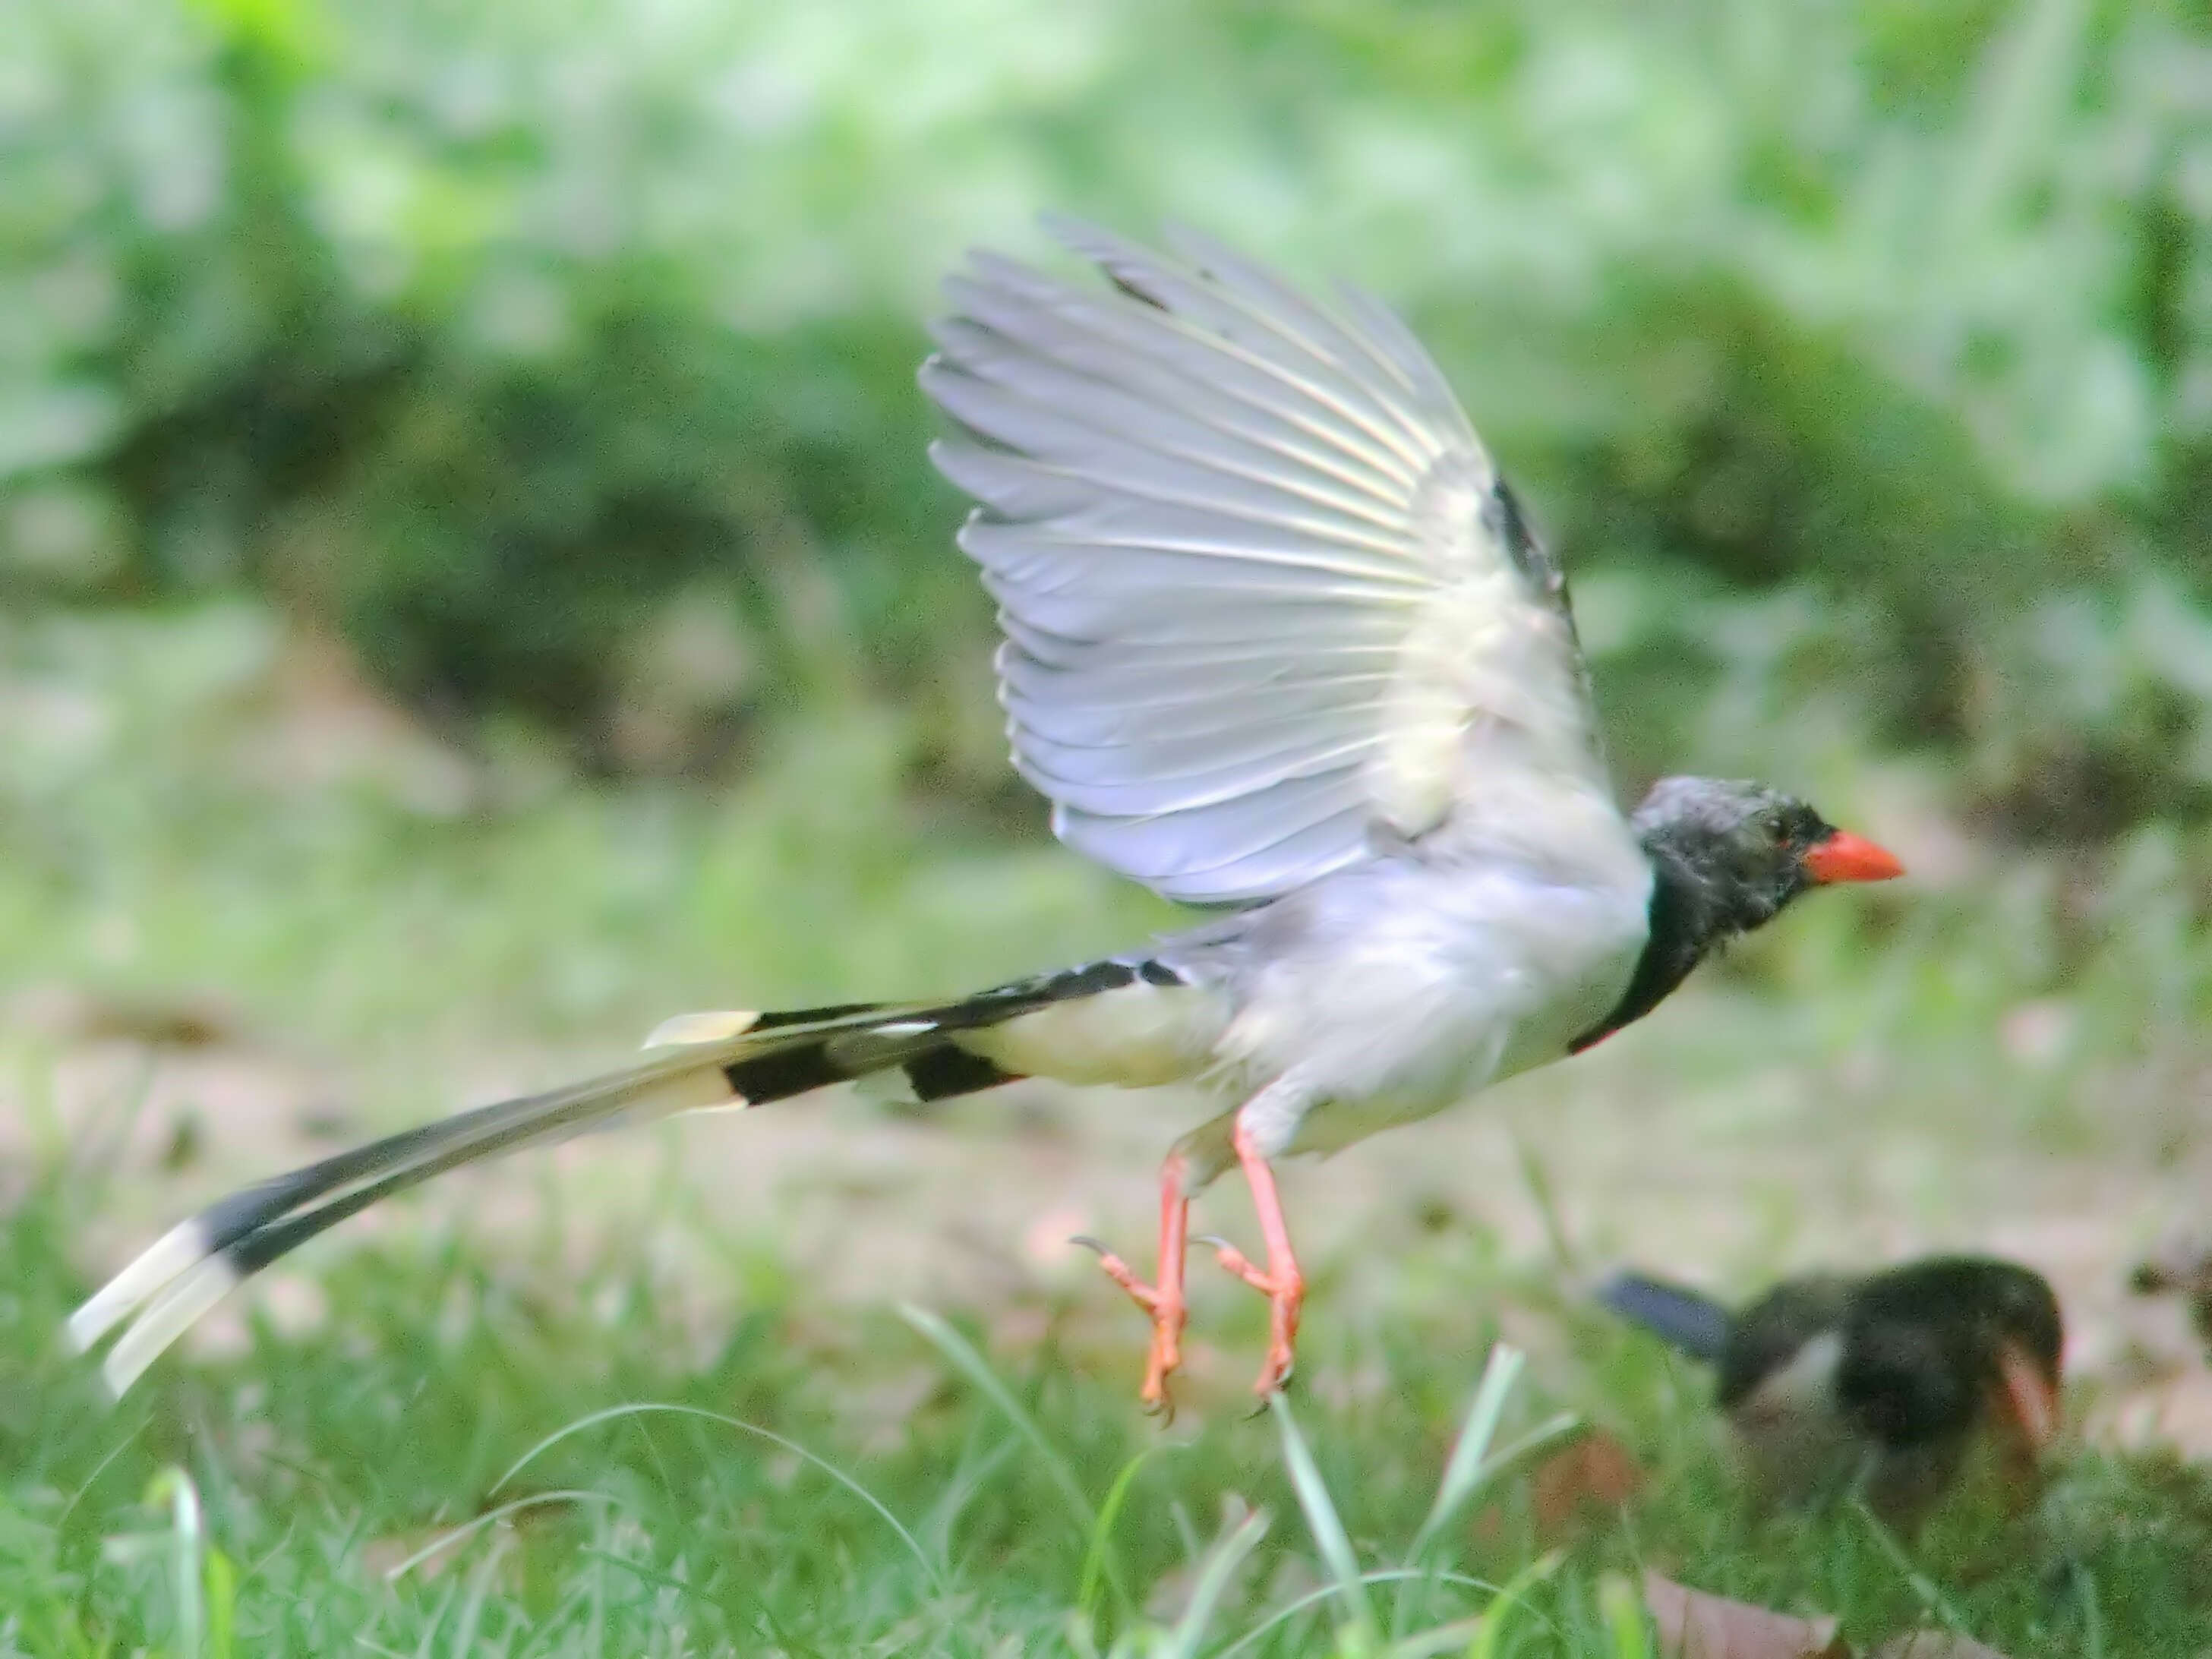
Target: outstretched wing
[[1264, 594]]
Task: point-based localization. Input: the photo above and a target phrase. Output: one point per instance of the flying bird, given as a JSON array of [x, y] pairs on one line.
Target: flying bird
[[1277, 640], [1884, 1382]]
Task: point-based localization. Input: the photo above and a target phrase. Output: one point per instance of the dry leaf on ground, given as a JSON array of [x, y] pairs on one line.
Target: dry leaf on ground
[[1694, 1625], [1584, 1484], [1589, 1480]]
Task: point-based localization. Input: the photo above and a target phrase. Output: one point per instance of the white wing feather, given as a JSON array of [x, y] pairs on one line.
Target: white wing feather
[[1262, 589]]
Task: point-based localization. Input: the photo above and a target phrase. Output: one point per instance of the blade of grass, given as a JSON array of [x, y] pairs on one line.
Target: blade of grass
[[1185, 1533], [1538, 1180], [1322, 1520], [642, 1408], [1463, 1469], [222, 1584], [1924, 1588], [967, 1479], [464, 1635], [1555, 1427], [174, 1487], [1490, 1628], [1101, 1559], [2092, 1621], [1381, 1576], [1220, 1564], [1475, 1461], [99, 1468], [1622, 1609], [956, 1348], [452, 1536], [1444, 1638], [1551, 1429], [423, 1650]]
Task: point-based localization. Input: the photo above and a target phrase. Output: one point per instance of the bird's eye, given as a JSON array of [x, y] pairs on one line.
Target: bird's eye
[[1777, 831]]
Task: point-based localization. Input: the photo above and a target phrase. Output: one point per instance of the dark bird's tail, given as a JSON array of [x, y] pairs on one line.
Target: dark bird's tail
[[694, 1062], [1685, 1319]]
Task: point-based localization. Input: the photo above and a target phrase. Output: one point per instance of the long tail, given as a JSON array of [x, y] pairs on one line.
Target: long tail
[[700, 1061], [1683, 1318]]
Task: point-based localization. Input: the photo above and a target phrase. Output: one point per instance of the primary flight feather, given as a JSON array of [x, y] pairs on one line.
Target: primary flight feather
[[1279, 637]]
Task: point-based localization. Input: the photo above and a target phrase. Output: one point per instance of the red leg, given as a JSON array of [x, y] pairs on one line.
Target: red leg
[[1283, 1284], [1163, 1300]]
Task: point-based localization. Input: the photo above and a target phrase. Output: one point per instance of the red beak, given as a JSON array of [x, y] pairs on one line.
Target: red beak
[[2029, 1398], [1846, 857]]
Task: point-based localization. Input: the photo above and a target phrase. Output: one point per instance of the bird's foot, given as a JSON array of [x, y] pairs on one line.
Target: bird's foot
[[1169, 1313], [1285, 1293]]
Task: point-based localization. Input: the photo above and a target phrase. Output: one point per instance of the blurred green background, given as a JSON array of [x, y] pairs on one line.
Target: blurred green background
[[557, 360]]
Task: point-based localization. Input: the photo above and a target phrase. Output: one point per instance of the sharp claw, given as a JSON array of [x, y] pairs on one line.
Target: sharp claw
[[1271, 1388], [1089, 1243], [1214, 1239]]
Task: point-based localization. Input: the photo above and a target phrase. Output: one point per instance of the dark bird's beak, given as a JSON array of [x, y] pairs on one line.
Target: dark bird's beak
[[1846, 857], [2026, 1398]]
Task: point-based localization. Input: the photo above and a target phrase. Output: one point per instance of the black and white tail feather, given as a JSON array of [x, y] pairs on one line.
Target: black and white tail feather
[[699, 1062], [1684, 1319]]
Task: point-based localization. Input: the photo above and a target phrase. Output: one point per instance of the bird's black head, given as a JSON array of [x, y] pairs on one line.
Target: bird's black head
[[1725, 858], [1741, 851], [1931, 1346]]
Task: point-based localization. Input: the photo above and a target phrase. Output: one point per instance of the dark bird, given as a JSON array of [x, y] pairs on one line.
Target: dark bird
[[1883, 1382], [1279, 638]]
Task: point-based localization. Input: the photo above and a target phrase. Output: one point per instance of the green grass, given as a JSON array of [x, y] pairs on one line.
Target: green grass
[[546, 1440], [512, 1457]]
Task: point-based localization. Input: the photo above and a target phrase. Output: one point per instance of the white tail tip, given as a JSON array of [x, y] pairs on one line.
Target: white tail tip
[[170, 1316], [175, 1253]]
